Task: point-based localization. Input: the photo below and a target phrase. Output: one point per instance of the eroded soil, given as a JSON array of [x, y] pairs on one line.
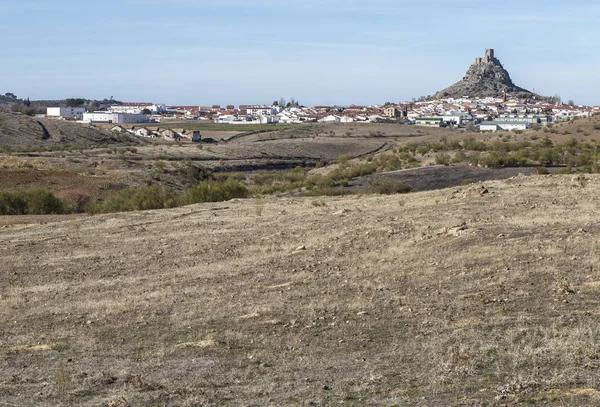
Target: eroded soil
[[442, 298]]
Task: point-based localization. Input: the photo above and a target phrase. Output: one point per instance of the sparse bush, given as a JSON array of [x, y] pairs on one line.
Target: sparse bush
[[342, 159], [467, 181], [326, 192], [74, 200], [541, 171], [389, 186], [442, 159], [389, 162], [564, 171], [459, 157]]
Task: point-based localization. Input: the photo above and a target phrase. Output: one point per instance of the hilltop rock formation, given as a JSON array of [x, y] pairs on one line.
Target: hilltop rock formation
[[485, 78]]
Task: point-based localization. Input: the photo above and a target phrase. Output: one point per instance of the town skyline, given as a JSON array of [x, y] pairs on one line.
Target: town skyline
[[330, 52]]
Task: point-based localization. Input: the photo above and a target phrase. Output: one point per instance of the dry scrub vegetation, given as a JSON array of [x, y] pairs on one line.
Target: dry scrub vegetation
[[450, 297]]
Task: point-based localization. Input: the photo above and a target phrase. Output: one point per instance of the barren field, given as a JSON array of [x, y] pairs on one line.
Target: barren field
[[445, 297]]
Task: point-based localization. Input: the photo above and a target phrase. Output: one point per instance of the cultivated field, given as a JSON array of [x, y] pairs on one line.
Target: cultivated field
[[448, 297]]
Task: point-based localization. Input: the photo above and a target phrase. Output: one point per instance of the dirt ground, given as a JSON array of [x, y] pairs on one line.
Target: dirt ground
[[433, 298], [439, 176]]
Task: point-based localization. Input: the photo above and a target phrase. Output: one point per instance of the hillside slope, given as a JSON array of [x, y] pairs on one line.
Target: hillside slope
[[436, 298], [18, 130]]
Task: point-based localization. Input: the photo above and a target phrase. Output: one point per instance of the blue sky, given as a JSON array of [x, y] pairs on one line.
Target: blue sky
[[317, 51]]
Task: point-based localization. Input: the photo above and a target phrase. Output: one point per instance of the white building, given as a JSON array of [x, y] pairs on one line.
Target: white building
[[262, 110], [138, 108], [65, 112], [228, 118], [503, 126], [144, 132], [269, 119], [117, 118], [330, 119], [457, 118]]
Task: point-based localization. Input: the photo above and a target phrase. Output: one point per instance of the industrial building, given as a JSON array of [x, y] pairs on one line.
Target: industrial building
[[75, 113], [117, 118]]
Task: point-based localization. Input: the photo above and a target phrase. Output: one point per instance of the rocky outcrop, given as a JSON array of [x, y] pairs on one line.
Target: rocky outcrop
[[485, 78]]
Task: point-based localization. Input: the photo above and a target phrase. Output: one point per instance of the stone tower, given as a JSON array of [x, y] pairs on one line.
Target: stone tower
[[489, 55]]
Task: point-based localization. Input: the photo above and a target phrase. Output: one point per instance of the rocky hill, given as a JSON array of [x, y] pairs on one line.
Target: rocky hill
[[486, 77]]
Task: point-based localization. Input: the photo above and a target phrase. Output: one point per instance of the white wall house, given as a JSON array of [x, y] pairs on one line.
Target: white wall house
[[330, 119], [228, 118], [65, 112], [269, 119], [144, 132], [117, 118]]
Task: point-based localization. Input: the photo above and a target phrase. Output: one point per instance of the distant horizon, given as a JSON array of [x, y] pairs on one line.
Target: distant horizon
[[319, 52]]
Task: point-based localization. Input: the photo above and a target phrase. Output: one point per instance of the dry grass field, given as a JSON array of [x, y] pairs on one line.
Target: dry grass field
[[448, 297]]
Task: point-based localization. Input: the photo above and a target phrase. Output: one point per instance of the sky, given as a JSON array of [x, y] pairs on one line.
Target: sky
[[319, 52]]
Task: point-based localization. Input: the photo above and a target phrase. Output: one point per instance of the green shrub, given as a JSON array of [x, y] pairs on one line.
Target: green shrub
[[213, 191], [459, 157], [160, 197], [470, 144], [389, 162], [320, 181], [12, 204], [423, 148], [30, 202], [541, 171], [132, 199], [389, 186]]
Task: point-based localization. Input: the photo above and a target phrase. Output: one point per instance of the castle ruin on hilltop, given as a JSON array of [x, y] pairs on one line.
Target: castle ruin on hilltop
[[485, 78], [489, 55]]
